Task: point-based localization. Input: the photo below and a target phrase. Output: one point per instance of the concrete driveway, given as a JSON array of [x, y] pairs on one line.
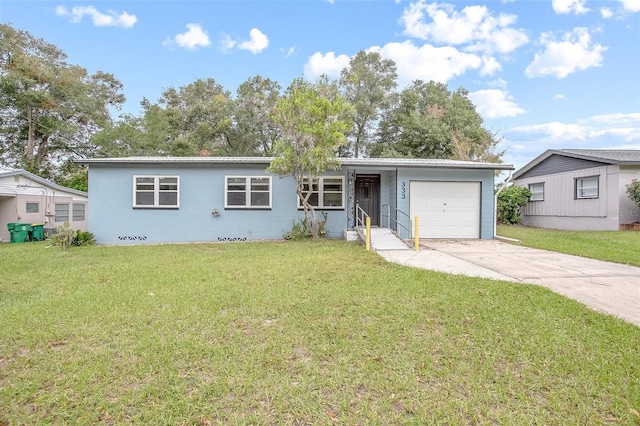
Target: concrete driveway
[[606, 287]]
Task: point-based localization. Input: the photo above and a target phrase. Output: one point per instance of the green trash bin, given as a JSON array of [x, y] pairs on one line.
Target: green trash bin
[[37, 232], [19, 232]]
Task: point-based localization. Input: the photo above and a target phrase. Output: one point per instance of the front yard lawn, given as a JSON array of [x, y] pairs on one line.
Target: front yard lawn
[[296, 333], [611, 246]]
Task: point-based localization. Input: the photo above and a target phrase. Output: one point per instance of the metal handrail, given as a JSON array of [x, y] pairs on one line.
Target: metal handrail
[[390, 218]]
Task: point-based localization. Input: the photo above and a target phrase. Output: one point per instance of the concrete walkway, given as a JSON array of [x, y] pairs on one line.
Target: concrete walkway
[[606, 287]]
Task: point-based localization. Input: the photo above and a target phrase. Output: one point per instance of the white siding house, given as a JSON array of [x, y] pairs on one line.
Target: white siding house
[[27, 198], [580, 189]]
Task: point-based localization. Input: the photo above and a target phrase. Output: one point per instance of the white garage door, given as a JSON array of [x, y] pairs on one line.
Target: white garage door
[[446, 209]]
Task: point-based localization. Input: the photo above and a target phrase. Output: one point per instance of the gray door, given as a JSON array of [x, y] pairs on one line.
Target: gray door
[[368, 196]]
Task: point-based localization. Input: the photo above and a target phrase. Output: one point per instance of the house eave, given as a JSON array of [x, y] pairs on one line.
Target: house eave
[[345, 162], [42, 181], [569, 153]]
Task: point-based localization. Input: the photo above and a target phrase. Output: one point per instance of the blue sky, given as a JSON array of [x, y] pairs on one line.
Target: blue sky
[[543, 73]]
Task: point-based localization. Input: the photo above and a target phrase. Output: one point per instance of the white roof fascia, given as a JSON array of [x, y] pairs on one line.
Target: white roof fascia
[[42, 181], [364, 162]]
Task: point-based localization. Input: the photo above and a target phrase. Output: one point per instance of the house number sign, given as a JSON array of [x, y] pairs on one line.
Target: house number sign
[[403, 190]]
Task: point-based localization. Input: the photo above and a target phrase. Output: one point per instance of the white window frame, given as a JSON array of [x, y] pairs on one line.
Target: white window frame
[[580, 187], [321, 191], [248, 191], [58, 216], [156, 192], [536, 195], [78, 210]]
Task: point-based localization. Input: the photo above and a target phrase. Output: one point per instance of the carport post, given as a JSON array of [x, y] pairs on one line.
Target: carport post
[[416, 237]]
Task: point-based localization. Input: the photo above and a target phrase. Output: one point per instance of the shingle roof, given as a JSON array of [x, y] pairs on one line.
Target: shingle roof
[[629, 157], [371, 162], [615, 155]]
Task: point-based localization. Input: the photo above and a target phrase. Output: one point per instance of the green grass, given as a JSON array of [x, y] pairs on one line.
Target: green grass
[[296, 333], [611, 246]]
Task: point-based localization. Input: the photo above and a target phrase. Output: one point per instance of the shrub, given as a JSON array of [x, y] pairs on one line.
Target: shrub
[[63, 237], [301, 229], [510, 202], [633, 191], [66, 237], [83, 238]]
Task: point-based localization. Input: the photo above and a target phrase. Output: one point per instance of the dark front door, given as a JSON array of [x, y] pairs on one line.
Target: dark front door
[[368, 196]]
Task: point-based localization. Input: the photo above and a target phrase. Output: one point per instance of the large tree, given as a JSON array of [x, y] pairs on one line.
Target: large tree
[[253, 131], [149, 134], [198, 115], [430, 121], [314, 119], [368, 83], [49, 108]]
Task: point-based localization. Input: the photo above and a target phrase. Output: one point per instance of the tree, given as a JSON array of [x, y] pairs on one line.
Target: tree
[[198, 117], [313, 120], [429, 121], [145, 135], [253, 131], [49, 108], [368, 83]]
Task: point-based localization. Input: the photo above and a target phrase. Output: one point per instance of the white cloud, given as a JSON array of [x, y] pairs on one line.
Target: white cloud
[[226, 42], [560, 97], [327, 63], [631, 5], [257, 43], [100, 19], [193, 38], [494, 103], [606, 13], [596, 130], [618, 118], [498, 83], [607, 131], [574, 52], [413, 62], [569, 6], [288, 52], [427, 62], [489, 66], [475, 28]]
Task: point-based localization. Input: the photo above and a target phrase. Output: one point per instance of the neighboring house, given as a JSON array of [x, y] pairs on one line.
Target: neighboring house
[[183, 199], [580, 189], [27, 198]]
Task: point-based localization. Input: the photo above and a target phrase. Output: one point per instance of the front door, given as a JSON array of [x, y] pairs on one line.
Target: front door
[[368, 196]]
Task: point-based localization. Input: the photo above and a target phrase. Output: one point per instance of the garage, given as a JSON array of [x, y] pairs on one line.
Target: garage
[[446, 209]]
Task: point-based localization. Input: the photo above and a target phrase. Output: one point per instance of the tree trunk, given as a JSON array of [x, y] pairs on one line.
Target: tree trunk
[[29, 150]]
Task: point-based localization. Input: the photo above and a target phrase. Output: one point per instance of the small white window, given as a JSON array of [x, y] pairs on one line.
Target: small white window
[[247, 192], [32, 207], [326, 192], [587, 187], [537, 192], [78, 212], [156, 191], [62, 212]]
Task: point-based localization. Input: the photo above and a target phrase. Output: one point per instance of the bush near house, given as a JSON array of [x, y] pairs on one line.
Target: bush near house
[[633, 191], [510, 203]]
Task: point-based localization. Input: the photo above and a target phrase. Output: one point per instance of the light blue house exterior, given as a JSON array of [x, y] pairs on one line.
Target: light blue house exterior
[[151, 200]]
